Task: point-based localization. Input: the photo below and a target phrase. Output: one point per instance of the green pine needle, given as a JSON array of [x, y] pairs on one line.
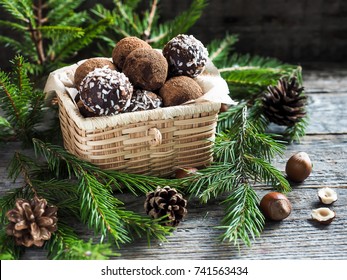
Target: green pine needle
[[20, 102], [219, 50], [8, 249], [98, 207], [243, 219], [297, 131], [65, 245], [243, 153]]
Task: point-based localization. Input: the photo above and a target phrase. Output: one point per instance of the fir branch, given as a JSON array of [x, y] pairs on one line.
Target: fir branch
[[56, 156], [21, 103], [6, 131], [7, 201], [184, 21], [98, 210], [297, 131], [243, 219], [13, 25], [107, 216], [14, 9], [268, 174], [242, 153], [212, 181], [61, 11], [219, 49], [65, 245], [54, 32], [61, 193], [152, 228], [244, 82], [226, 119], [8, 249], [90, 33]]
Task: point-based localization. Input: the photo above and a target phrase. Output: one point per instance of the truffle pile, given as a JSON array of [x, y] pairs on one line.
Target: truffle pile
[[140, 78]]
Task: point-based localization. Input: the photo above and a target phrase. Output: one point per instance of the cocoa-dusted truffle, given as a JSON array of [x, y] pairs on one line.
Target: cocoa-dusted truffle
[[178, 90], [146, 69], [185, 55], [144, 100], [106, 92], [88, 66], [124, 47]]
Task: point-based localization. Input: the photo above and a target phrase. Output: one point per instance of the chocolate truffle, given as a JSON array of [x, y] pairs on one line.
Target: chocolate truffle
[[178, 90], [106, 92], [185, 55], [88, 66], [85, 112], [124, 47], [144, 100], [146, 69]]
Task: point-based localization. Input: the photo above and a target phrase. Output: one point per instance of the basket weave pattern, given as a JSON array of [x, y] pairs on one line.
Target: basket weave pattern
[[149, 146]]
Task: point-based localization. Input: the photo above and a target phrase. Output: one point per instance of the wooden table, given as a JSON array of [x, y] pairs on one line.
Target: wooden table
[[297, 237]]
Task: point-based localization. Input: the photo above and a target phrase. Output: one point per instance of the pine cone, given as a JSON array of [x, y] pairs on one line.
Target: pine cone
[[32, 222], [284, 104], [166, 201]]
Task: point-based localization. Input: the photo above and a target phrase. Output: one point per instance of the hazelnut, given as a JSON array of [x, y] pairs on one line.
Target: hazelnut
[[275, 206], [327, 195], [298, 167], [323, 215], [185, 172], [224, 108]]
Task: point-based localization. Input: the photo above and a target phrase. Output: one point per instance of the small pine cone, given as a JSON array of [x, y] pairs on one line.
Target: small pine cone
[[166, 201], [284, 104], [32, 222]]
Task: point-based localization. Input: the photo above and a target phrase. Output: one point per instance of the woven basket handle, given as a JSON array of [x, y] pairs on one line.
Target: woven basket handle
[[156, 137]]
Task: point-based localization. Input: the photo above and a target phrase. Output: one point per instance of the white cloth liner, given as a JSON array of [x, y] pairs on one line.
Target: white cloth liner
[[215, 88]]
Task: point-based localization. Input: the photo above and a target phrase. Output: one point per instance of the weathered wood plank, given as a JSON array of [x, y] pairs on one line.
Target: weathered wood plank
[[323, 80], [327, 113], [294, 238]]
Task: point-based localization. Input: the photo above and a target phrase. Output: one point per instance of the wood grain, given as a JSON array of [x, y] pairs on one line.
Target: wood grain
[[297, 237]]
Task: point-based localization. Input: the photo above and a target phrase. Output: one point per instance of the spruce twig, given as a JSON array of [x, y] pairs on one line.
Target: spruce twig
[[65, 245], [243, 219], [8, 249], [34, 22], [243, 153], [20, 102], [99, 208]]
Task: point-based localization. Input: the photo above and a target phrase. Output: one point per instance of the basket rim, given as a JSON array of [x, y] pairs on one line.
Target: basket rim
[[163, 113]]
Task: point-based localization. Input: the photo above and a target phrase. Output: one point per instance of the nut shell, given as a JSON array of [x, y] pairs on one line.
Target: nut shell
[[275, 206], [298, 167], [323, 215], [327, 195]]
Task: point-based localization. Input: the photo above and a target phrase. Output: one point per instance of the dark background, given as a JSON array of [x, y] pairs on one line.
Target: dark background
[[295, 31]]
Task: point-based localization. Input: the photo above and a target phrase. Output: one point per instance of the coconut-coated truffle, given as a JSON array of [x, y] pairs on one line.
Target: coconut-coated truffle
[[185, 55], [124, 47], [146, 69], [144, 100], [88, 66], [85, 112], [106, 92], [178, 90]]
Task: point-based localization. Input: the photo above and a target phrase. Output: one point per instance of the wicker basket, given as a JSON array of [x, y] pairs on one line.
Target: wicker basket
[[153, 142]]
